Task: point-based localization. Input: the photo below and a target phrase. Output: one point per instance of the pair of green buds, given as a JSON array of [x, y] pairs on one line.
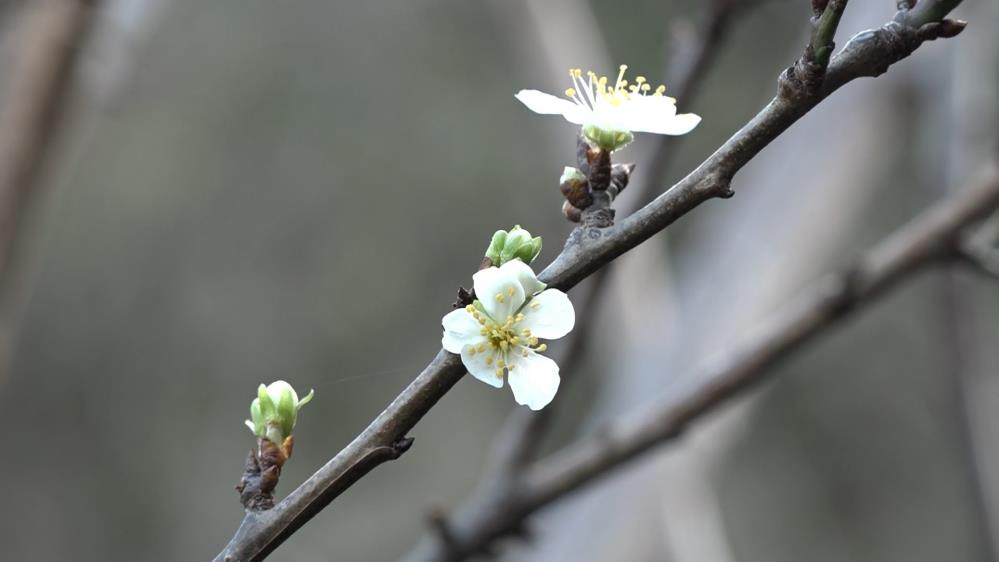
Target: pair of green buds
[[274, 412], [516, 243]]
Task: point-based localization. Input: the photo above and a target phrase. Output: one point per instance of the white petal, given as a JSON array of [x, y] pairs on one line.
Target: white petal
[[578, 115], [478, 368], [499, 291], [460, 329], [549, 315], [545, 104], [657, 114], [525, 275], [534, 380], [677, 125]]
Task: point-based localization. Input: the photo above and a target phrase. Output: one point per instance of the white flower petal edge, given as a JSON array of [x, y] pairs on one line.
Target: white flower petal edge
[[549, 315], [500, 293], [460, 329], [534, 381], [545, 104]]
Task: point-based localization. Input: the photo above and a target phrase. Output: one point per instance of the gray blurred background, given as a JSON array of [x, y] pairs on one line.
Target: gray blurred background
[[247, 190]]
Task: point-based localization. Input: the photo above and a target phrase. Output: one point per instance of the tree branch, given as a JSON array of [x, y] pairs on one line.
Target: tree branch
[[927, 238], [587, 250]]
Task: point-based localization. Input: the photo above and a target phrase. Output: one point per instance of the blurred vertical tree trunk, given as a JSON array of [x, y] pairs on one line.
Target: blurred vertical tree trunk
[[51, 35]]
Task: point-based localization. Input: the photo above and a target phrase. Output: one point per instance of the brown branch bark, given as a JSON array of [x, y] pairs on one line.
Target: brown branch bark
[[587, 250], [927, 238]]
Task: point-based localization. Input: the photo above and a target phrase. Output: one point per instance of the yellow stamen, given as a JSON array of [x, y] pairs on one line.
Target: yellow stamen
[[620, 76]]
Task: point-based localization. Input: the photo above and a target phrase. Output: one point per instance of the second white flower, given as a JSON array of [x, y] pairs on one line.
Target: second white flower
[[500, 333]]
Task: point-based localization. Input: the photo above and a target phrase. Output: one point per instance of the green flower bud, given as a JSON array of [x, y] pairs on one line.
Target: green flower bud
[[274, 412], [608, 140], [515, 244]]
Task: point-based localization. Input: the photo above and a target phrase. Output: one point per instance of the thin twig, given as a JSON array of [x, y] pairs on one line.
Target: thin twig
[[587, 250], [924, 240]]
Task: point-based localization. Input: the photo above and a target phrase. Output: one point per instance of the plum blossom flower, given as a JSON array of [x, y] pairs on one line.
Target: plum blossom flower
[[609, 115], [499, 333]]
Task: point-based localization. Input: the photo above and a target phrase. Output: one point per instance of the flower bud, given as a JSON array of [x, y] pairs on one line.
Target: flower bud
[[274, 412], [575, 188], [515, 244]]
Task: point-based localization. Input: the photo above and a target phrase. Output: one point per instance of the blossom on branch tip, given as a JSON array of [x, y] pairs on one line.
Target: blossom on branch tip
[[610, 114], [499, 333], [274, 412]]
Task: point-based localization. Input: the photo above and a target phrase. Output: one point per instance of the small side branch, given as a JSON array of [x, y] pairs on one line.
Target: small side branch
[[824, 30]]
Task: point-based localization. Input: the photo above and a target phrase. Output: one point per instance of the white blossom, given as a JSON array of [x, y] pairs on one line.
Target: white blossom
[[609, 115], [499, 333]]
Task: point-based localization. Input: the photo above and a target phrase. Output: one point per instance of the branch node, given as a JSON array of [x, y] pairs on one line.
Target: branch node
[[982, 256], [401, 445], [261, 473]]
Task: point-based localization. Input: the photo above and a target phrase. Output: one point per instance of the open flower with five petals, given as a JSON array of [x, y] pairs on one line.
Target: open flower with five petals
[[499, 334], [610, 114]]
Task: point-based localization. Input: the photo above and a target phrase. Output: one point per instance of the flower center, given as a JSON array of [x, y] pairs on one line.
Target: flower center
[[500, 340], [588, 92]]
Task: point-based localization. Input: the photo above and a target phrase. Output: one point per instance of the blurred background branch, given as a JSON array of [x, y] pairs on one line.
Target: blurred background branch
[[928, 238]]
